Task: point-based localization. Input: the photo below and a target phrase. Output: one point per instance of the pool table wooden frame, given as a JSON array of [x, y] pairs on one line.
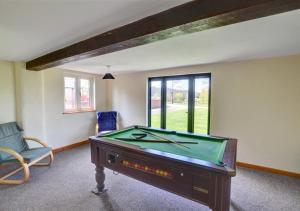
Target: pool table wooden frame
[[198, 180]]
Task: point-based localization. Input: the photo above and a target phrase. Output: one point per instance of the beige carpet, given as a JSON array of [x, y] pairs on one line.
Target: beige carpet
[[68, 183]]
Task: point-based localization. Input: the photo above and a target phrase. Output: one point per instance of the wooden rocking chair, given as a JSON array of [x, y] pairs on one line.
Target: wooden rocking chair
[[14, 149]]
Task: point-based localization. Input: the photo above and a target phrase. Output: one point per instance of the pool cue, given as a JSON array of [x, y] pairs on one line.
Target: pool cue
[[155, 141], [157, 136]]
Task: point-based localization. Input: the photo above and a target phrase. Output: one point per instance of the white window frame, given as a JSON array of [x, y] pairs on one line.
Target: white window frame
[[77, 77]]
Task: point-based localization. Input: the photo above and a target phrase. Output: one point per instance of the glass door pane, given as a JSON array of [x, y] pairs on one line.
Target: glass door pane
[[201, 105], [177, 104], [155, 103]]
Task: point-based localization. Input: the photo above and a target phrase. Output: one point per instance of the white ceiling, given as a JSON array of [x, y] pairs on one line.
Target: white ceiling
[[31, 28], [272, 36]]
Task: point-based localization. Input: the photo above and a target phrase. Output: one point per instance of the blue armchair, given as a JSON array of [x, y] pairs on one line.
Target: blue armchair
[[14, 148]]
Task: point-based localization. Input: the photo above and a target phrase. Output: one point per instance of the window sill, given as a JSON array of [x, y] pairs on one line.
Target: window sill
[[76, 112]]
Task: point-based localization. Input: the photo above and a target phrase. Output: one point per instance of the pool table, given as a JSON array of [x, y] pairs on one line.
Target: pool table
[[194, 166]]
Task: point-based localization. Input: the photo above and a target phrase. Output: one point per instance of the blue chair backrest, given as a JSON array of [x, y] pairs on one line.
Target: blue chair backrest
[[107, 120], [11, 136]]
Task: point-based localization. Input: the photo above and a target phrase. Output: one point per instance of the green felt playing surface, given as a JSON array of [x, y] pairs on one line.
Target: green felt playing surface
[[207, 149]]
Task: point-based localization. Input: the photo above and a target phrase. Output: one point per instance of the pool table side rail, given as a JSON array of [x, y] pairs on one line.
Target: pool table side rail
[[228, 169], [207, 137]]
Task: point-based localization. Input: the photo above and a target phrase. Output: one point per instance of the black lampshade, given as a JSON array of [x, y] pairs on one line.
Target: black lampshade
[[108, 76]]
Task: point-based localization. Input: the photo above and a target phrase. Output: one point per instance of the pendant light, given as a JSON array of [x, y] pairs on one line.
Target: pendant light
[[108, 75]]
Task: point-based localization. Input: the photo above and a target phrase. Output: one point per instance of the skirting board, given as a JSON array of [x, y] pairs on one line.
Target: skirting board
[[71, 146], [267, 169], [241, 164]]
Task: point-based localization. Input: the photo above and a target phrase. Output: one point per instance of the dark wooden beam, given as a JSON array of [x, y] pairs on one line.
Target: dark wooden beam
[[191, 17]]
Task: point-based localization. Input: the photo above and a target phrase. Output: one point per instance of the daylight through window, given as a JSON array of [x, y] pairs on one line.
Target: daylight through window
[[78, 94]]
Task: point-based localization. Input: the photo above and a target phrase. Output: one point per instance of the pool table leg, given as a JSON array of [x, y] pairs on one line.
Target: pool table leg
[[222, 193], [100, 177]]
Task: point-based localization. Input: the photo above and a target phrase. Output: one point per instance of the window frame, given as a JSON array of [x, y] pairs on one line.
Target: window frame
[[191, 95], [78, 108]]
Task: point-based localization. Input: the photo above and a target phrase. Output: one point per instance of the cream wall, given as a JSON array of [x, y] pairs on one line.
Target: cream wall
[[7, 92], [256, 101], [127, 95], [30, 101], [36, 101], [64, 129]]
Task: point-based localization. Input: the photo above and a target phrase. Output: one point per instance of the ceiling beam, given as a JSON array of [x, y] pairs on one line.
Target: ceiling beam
[[187, 18]]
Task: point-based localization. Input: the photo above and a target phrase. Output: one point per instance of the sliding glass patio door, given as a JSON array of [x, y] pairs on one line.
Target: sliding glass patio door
[[180, 103]]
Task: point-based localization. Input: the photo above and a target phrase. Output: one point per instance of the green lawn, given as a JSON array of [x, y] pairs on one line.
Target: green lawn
[[177, 120]]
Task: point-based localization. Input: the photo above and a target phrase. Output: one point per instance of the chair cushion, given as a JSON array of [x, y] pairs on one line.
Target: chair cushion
[[30, 154], [103, 133], [107, 120], [11, 137], [34, 153]]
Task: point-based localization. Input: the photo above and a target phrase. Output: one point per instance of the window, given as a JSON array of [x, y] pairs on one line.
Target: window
[[79, 93], [180, 103]]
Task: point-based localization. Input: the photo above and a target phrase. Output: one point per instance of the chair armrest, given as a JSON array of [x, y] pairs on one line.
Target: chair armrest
[[36, 140], [117, 122], [96, 129], [13, 153]]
